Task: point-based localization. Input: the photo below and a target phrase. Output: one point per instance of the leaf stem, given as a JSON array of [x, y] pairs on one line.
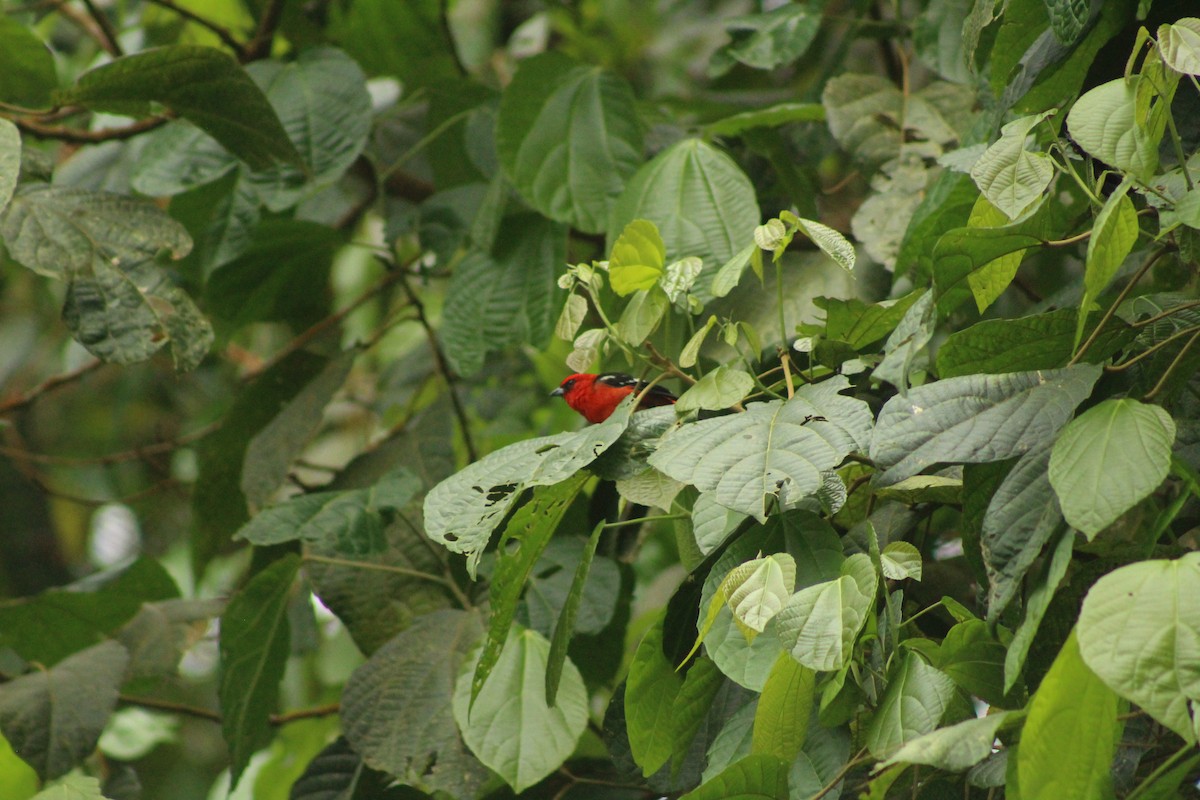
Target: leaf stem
[[1124, 365], [1175, 362], [1112, 309], [405, 571], [656, 518], [1159, 771]]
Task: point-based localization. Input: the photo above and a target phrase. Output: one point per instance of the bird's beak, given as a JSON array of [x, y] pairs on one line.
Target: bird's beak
[[557, 392]]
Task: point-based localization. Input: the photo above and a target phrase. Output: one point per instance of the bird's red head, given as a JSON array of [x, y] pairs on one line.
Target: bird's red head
[[597, 396]]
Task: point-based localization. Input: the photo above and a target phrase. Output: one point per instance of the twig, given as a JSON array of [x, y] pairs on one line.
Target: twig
[[443, 367], [839, 777], [668, 365], [213, 716], [136, 454], [260, 45], [110, 42], [48, 385], [1112, 309], [221, 31], [1162, 382], [1141, 323], [1129, 362], [64, 133], [446, 582]]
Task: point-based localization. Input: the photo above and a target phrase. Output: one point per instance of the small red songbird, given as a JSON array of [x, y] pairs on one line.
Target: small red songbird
[[597, 396]]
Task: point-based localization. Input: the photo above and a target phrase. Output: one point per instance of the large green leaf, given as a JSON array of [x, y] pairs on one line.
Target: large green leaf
[[916, 698], [755, 776], [974, 419], [1108, 459], [506, 298], [1071, 732], [954, 748], [509, 727], [1010, 176], [53, 717], [27, 67], [1139, 630], [407, 40], [784, 709], [462, 511], [701, 201], [819, 624], [568, 137], [203, 85], [255, 638], [1106, 122], [778, 449], [396, 708]]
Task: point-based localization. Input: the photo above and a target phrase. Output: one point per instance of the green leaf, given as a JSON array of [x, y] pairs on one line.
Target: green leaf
[[10, 161], [859, 324], [924, 489], [819, 624], [768, 40], [203, 85], [901, 560], [974, 419], [510, 728], [990, 281], [768, 117], [712, 522], [784, 709], [1072, 728], [637, 259], [829, 241], [462, 511], [573, 314], [1068, 18], [904, 349], [564, 627], [1179, 45], [1108, 459], [524, 538], [254, 649], [1113, 237], [506, 298], [1106, 122], [756, 591], [349, 522], [730, 273], [71, 787], [917, 696], [1053, 571], [1010, 176], [699, 199], [755, 776], [973, 658], [775, 450], [568, 137], [1139, 630], [642, 315], [53, 717], [717, 390], [953, 748], [27, 66], [178, 157], [1040, 341], [408, 40], [396, 707]]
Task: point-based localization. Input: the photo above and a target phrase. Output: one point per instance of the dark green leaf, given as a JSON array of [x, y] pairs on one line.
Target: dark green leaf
[[53, 717], [568, 137], [201, 84], [859, 324], [27, 67], [254, 648], [769, 117], [975, 418], [916, 698], [755, 776], [765, 41], [1067, 18], [974, 659], [407, 40]]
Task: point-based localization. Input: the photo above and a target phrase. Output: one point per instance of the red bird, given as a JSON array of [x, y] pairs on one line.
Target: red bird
[[597, 396]]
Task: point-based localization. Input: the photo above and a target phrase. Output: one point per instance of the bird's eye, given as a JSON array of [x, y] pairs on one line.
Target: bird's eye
[[568, 385]]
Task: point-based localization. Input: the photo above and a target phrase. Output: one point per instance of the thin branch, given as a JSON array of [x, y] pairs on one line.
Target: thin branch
[[1162, 382], [110, 42], [446, 582], [1112, 309], [1164, 314], [1129, 362], [64, 133], [260, 45], [840, 776], [213, 716], [135, 454], [668, 365], [222, 33], [443, 367], [48, 385]]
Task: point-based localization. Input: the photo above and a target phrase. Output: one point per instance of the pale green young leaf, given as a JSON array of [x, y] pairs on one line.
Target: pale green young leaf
[[572, 316], [975, 419], [917, 696], [691, 351], [772, 235], [757, 590], [1072, 727], [637, 258], [1139, 630], [510, 727], [901, 560], [1114, 234], [953, 748], [680, 276], [1108, 459], [587, 348], [819, 624], [731, 271], [719, 389], [568, 136], [1105, 122], [831, 242], [1179, 44], [642, 315], [989, 281], [784, 710]]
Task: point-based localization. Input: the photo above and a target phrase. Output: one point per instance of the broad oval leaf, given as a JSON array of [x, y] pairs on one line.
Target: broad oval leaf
[[637, 258], [568, 137], [1105, 122], [974, 419], [917, 696], [757, 590], [701, 201], [719, 389], [1179, 44], [510, 728], [901, 560], [1010, 176], [203, 85], [820, 623], [1108, 459], [1139, 630]]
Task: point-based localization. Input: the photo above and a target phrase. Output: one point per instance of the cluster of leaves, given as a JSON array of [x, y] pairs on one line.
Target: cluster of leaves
[[923, 516]]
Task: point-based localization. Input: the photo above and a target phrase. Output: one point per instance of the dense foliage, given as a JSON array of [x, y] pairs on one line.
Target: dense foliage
[[286, 512]]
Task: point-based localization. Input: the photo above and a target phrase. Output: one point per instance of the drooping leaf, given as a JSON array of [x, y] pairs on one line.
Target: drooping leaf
[[752, 777], [510, 727], [568, 136], [975, 418], [396, 708], [953, 748], [1072, 727], [1108, 459], [777, 449], [1038, 601], [255, 637], [1009, 175], [700, 200], [203, 85], [819, 624], [1139, 631], [916, 698], [53, 717]]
